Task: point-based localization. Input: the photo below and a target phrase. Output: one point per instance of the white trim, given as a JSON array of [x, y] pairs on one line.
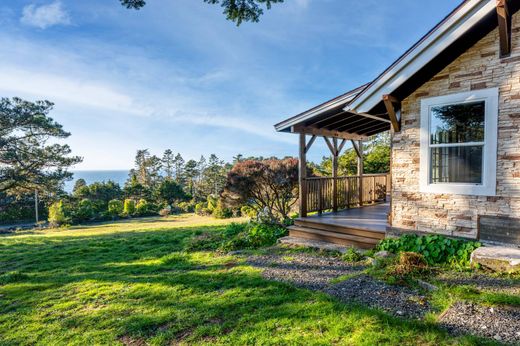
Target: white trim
[[489, 163], [435, 43]]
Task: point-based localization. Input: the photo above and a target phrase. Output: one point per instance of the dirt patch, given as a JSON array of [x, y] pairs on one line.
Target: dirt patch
[[130, 341], [498, 323]]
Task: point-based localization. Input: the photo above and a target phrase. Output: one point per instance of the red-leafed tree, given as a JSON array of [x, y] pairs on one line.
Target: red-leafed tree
[[269, 186]]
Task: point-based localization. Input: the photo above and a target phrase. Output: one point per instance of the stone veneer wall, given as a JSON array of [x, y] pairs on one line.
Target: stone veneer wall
[[478, 68]]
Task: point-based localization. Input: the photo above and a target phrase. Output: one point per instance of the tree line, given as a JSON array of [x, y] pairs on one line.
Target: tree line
[[31, 161]]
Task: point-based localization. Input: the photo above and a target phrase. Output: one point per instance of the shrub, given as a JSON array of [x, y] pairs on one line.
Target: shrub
[[143, 208], [57, 214], [255, 235], [84, 211], [202, 209], [129, 207], [352, 255], [409, 263], [222, 213], [248, 211], [115, 207], [212, 203], [436, 249], [186, 207]]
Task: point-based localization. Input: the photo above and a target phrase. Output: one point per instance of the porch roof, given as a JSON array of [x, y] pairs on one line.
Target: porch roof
[[375, 107], [331, 119]]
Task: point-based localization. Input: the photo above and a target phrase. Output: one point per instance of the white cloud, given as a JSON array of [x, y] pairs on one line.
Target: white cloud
[[45, 16]]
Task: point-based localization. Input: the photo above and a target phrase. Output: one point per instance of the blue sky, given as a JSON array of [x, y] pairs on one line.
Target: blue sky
[[177, 75]]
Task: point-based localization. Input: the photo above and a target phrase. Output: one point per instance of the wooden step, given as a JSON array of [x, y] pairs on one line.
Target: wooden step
[[332, 237], [319, 224]]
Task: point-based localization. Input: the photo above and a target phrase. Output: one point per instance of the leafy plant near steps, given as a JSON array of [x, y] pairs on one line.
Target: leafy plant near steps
[[436, 249], [237, 236]]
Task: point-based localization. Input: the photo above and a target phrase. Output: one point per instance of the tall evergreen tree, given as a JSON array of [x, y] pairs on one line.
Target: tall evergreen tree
[[29, 157], [168, 162]]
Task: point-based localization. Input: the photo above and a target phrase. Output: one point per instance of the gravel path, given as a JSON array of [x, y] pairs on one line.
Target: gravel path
[[316, 272], [499, 323], [303, 270], [396, 300]]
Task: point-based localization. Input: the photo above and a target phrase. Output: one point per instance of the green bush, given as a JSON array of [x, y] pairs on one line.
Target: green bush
[[129, 207], [212, 202], [84, 211], [255, 235], [248, 211], [142, 208], [186, 207], [237, 236], [115, 207], [352, 255], [222, 213], [436, 249], [202, 209], [58, 215]]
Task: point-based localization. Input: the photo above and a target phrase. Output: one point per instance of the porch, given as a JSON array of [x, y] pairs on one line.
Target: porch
[[345, 210], [348, 211]]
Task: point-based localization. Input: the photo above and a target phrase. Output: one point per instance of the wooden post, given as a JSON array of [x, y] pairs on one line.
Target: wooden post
[[302, 176], [360, 172], [335, 175]]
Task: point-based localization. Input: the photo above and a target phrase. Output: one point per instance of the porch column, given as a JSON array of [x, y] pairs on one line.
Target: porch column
[[360, 171], [335, 175], [302, 176]]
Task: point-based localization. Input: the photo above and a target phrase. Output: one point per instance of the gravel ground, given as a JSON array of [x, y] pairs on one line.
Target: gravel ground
[[303, 270], [482, 282], [316, 272], [396, 300], [498, 323]]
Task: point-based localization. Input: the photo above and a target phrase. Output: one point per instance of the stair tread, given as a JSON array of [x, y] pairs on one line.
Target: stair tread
[[352, 237], [375, 234]]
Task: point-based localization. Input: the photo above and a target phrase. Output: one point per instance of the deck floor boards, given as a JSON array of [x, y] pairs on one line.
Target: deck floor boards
[[373, 217]]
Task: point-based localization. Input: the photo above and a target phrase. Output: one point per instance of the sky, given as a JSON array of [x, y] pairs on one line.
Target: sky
[[177, 75]]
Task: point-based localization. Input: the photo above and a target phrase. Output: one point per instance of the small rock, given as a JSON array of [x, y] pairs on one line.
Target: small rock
[[497, 337], [427, 286], [382, 254], [399, 312], [236, 252]]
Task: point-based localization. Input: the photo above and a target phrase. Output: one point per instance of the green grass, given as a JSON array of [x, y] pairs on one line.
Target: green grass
[[131, 282]]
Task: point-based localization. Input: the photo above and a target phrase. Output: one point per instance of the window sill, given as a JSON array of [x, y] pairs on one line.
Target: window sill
[[459, 189]]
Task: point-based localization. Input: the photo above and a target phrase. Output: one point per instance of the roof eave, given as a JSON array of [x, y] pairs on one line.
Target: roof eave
[[454, 26]]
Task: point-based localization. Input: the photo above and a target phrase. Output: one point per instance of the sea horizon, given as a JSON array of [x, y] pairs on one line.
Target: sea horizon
[[97, 175]]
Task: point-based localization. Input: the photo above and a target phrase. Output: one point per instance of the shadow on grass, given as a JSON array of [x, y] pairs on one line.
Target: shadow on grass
[[141, 286]]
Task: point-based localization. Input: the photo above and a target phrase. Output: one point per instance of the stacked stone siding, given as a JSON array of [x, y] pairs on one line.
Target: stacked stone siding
[[478, 68]]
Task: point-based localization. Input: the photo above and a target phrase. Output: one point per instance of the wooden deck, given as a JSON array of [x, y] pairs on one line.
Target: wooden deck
[[361, 227]]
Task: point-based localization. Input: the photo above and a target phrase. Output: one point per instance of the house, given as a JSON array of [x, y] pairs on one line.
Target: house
[[452, 105]]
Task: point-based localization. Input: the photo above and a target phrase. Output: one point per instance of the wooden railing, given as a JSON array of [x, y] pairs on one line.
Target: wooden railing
[[349, 191]]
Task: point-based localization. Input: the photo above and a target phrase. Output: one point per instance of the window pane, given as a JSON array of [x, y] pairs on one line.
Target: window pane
[[456, 165], [457, 123]]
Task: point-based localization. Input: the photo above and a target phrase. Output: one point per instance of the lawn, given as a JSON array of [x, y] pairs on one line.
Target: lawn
[[131, 283]]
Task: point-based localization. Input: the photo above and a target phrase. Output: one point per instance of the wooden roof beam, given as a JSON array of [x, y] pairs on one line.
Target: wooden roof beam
[[326, 133], [356, 148], [390, 103], [504, 27]]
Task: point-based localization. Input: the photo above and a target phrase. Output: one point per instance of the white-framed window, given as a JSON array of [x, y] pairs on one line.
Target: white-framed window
[[459, 143]]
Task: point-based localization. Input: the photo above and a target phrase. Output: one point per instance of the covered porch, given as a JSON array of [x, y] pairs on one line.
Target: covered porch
[[345, 210]]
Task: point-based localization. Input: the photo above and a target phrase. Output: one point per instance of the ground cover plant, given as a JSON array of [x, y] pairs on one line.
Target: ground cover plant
[[134, 282], [436, 249]]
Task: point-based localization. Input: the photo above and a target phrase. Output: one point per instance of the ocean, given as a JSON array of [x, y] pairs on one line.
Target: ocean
[[118, 176]]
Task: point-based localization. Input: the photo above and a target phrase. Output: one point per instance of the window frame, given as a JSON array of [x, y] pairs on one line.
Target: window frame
[[489, 152]]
